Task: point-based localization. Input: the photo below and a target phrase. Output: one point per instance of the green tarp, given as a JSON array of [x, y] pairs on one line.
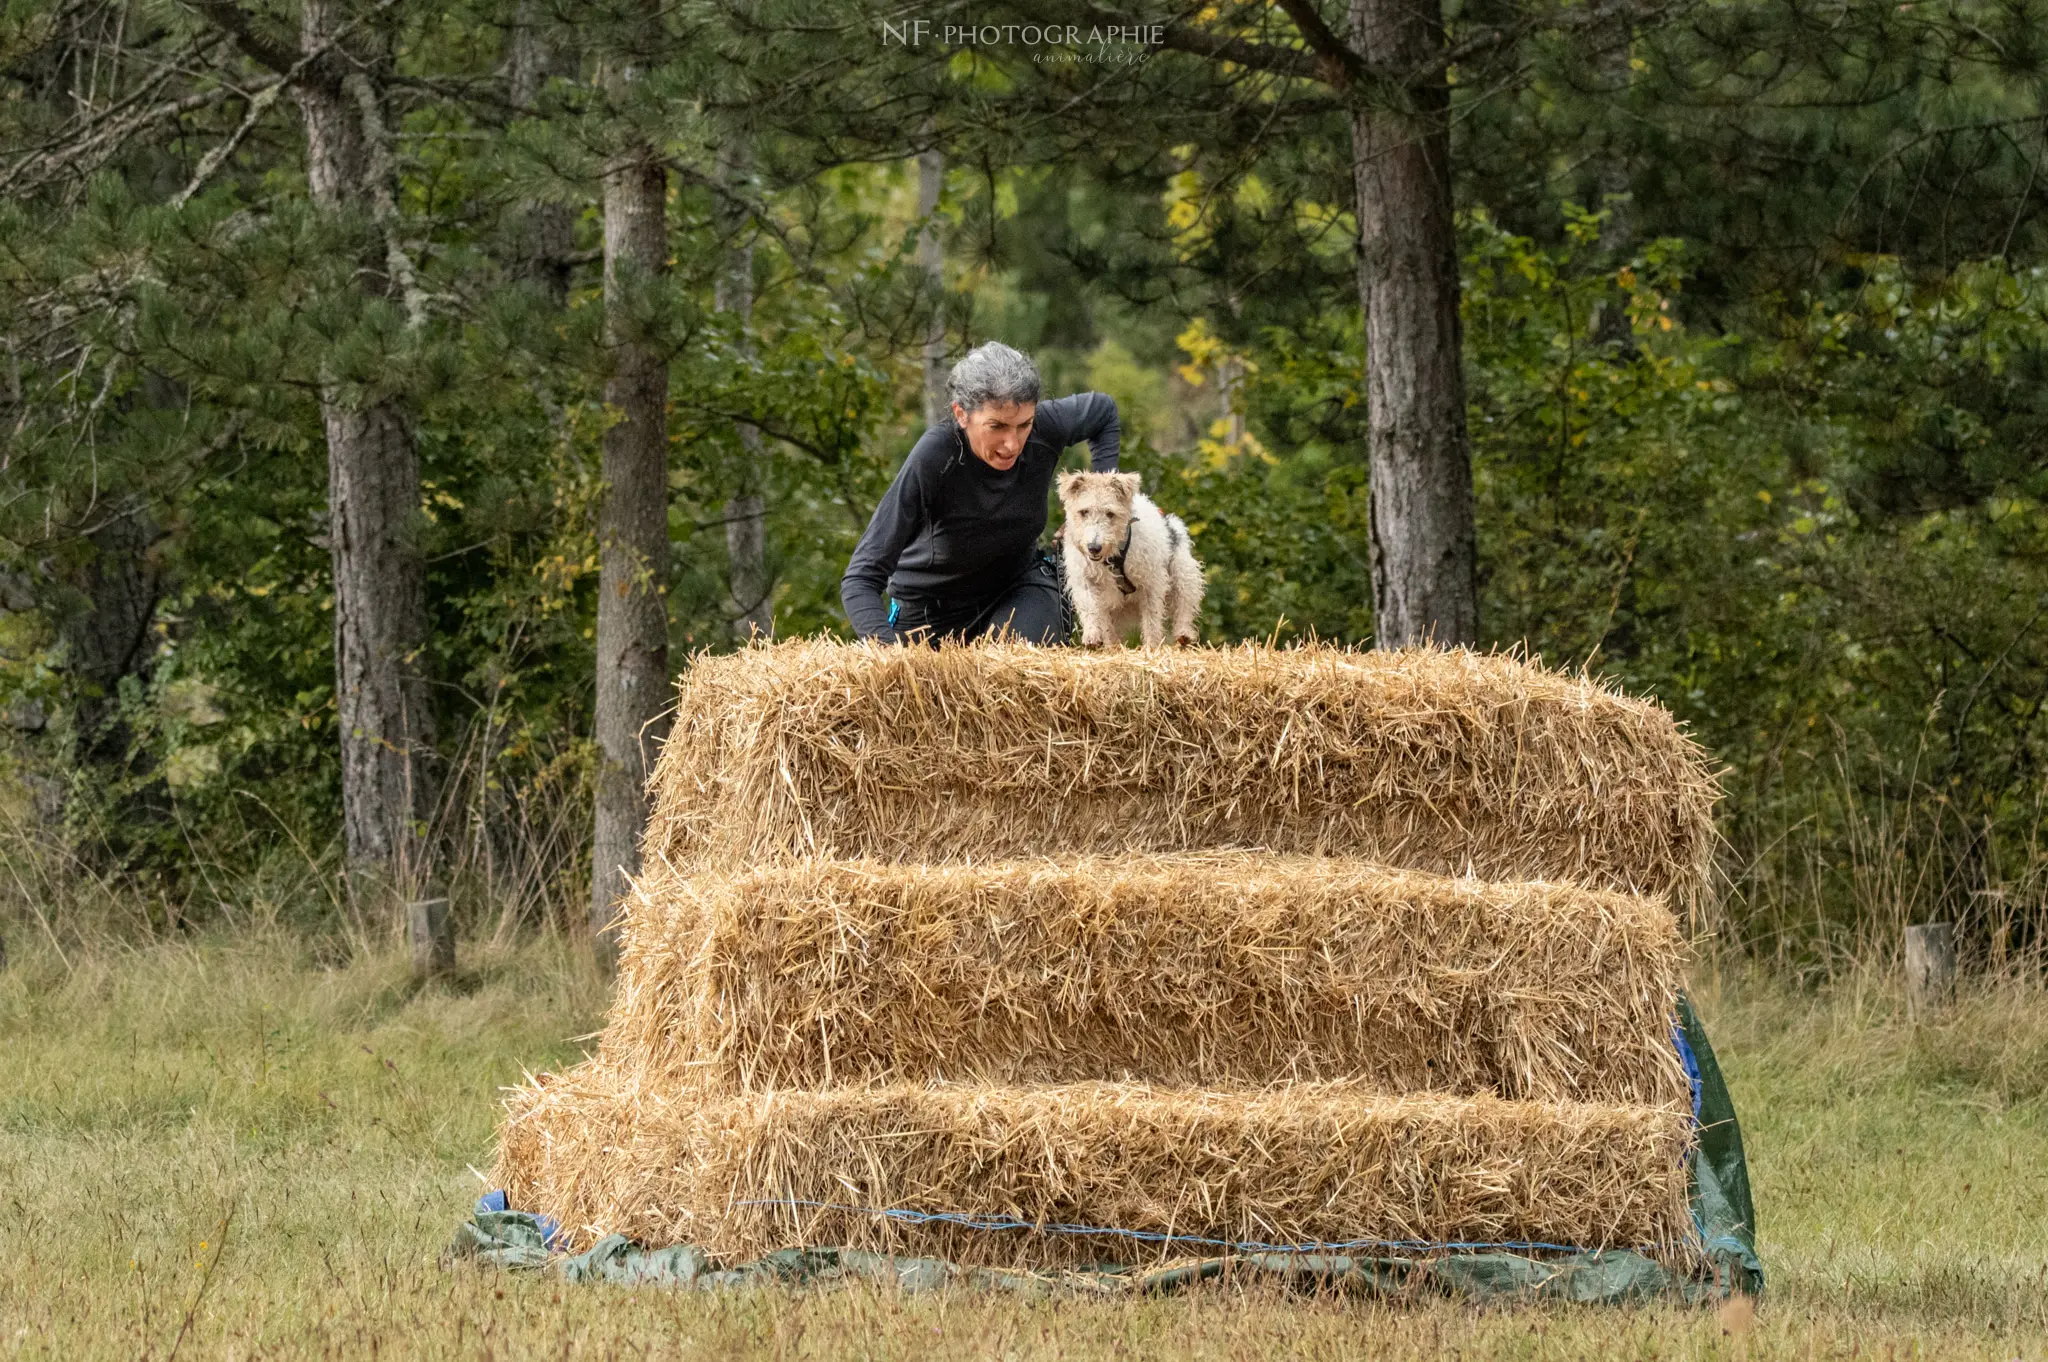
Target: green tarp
[[1721, 1207]]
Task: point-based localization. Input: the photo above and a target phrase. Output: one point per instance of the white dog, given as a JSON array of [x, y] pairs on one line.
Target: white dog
[[1128, 565]]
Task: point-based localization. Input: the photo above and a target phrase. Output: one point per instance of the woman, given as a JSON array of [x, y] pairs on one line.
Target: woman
[[954, 542]]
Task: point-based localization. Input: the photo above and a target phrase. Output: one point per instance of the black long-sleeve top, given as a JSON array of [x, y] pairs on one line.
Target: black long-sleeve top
[[952, 527]]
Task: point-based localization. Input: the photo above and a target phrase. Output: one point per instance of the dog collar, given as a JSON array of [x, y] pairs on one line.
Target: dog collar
[[1115, 562]]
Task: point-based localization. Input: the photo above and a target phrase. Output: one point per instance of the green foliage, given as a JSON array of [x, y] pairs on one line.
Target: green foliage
[[1763, 435], [1776, 136]]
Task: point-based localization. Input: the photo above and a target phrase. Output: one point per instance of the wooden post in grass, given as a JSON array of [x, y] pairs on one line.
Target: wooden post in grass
[[1930, 966], [432, 937]]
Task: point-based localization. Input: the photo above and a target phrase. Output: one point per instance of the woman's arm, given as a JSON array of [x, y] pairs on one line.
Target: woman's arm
[[897, 519], [1085, 416]]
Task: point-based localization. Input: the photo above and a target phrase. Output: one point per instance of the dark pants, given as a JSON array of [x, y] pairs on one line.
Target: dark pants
[[1033, 609]]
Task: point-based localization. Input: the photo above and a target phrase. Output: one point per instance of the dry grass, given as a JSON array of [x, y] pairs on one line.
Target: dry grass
[[1217, 970], [1299, 1164], [149, 1093], [1447, 762]]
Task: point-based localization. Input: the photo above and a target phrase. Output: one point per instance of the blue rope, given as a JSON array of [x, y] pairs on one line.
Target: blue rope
[[1004, 1222]]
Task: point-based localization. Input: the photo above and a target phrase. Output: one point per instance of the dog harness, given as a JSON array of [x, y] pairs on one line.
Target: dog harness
[[1115, 562]]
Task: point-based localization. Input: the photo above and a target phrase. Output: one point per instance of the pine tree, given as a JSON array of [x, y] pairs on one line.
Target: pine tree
[[380, 628], [633, 573]]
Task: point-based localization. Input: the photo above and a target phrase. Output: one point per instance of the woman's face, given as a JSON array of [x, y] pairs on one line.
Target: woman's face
[[996, 431]]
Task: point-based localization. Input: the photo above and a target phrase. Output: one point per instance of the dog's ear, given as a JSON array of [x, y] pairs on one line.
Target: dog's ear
[[1070, 485], [1126, 484]]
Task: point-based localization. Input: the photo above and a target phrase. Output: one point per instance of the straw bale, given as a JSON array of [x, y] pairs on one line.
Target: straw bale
[[1306, 1163], [1202, 970], [1446, 761]]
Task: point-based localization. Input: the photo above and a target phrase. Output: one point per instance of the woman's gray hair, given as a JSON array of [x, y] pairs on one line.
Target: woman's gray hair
[[992, 373]]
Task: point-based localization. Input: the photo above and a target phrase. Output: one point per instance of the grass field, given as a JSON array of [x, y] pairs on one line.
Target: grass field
[[225, 1150]]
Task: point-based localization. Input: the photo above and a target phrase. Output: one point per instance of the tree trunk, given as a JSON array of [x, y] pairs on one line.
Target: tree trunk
[[633, 553], [931, 258], [373, 492], [1423, 546], [373, 488], [105, 610], [748, 581], [543, 233], [1609, 324], [1930, 967], [106, 635]]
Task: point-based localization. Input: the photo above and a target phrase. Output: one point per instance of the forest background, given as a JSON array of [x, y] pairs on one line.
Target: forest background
[[1755, 337]]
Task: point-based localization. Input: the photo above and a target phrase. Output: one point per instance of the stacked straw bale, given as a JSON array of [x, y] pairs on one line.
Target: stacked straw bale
[[1203, 970], [1294, 946], [1451, 762], [1301, 1163]]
